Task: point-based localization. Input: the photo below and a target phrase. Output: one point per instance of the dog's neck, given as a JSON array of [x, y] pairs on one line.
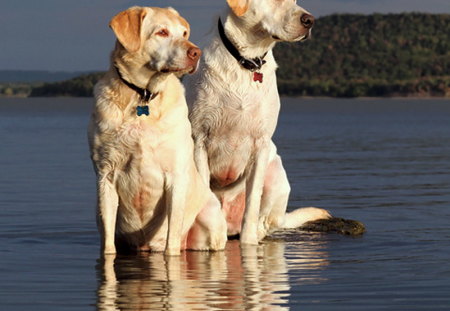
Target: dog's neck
[[145, 94], [142, 77], [250, 40]]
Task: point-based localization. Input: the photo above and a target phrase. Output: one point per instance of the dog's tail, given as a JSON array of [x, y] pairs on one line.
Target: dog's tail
[[315, 219], [303, 215]]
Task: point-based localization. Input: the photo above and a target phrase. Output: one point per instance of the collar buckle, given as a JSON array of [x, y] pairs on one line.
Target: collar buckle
[[252, 65], [146, 96]]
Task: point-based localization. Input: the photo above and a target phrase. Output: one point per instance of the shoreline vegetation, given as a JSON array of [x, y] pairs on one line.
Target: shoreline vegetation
[[349, 55], [378, 55]]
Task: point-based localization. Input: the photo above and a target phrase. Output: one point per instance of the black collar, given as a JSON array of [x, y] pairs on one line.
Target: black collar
[[144, 94], [253, 64]]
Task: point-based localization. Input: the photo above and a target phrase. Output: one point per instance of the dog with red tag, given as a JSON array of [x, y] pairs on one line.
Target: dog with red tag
[[234, 107]]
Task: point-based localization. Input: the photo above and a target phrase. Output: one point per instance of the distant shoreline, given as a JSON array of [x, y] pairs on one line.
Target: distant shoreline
[[371, 56], [362, 98]]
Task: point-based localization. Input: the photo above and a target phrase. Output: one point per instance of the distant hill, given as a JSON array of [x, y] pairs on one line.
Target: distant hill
[[81, 86], [28, 76], [348, 56], [374, 55]]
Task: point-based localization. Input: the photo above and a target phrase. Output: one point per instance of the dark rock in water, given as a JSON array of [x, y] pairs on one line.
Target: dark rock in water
[[295, 235], [314, 230], [336, 225]]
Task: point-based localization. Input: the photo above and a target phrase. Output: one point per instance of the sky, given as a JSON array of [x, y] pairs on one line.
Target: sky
[[69, 35]]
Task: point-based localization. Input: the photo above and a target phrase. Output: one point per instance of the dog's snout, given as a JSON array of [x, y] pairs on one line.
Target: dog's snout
[[194, 53], [307, 20]]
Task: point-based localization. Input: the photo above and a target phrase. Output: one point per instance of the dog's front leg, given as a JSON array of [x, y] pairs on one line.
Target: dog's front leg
[[175, 209], [107, 205], [254, 189]]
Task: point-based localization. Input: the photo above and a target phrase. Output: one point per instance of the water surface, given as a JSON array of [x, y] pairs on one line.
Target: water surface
[[383, 162]]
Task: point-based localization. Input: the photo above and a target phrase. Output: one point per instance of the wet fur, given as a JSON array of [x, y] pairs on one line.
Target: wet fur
[[150, 194], [233, 119]]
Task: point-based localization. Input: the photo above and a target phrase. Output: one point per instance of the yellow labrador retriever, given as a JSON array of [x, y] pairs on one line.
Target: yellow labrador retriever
[[234, 111], [150, 194]]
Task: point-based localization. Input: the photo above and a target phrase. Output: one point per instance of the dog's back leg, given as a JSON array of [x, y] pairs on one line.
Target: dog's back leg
[[209, 231], [274, 198], [274, 203]]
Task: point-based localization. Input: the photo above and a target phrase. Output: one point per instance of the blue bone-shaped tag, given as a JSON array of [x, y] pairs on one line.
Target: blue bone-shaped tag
[[142, 110]]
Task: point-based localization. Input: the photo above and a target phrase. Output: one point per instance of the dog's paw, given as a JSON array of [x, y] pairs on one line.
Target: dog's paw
[[172, 251], [109, 250], [248, 240], [262, 233]]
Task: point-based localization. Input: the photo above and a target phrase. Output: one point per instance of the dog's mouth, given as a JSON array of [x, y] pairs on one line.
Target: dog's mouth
[[168, 70], [172, 70], [300, 38], [303, 37], [176, 70], [193, 69]]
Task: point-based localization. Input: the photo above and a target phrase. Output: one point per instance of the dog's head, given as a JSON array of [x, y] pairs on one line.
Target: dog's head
[[281, 20], [157, 39]]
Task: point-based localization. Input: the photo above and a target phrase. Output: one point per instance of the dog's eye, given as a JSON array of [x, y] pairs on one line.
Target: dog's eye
[[163, 33]]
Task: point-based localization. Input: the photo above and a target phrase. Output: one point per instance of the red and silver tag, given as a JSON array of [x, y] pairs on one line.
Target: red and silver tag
[[258, 77]]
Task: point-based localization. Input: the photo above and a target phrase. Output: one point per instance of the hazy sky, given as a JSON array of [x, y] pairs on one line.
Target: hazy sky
[[74, 35]]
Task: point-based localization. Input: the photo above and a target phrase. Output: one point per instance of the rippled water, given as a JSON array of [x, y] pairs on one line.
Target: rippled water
[[383, 162]]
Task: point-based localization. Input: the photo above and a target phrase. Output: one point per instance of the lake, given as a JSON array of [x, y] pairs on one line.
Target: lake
[[384, 162]]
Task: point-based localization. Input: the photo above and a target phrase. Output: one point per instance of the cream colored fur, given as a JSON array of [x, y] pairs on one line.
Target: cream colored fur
[[233, 118], [150, 194]]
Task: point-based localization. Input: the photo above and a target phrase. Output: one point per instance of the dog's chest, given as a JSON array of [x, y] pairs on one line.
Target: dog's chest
[[138, 134], [248, 114], [149, 145], [145, 156], [232, 142], [245, 118]]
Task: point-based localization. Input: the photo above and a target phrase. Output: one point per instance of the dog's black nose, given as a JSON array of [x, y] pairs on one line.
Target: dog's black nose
[[307, 20]]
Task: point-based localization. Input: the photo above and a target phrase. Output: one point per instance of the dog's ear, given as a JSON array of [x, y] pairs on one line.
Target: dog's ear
[[127, 27], [239, 7], [173, 11]]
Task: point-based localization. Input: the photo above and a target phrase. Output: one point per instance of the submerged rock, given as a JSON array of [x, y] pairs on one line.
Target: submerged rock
[[313, 230], [336, 225]]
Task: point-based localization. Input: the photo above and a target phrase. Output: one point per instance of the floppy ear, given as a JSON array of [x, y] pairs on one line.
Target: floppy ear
[[127, 27], [239, 7]]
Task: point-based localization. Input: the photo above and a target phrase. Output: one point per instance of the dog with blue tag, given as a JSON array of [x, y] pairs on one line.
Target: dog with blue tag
[[150, 196]]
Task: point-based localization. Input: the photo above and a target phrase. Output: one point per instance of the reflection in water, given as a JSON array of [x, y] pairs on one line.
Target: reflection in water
[[250, 278]]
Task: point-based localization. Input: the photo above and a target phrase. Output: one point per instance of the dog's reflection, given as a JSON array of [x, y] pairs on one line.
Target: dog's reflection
[[249, 278]]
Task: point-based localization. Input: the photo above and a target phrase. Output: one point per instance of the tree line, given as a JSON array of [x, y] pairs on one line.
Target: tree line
[[81, 86], [376, 55]]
